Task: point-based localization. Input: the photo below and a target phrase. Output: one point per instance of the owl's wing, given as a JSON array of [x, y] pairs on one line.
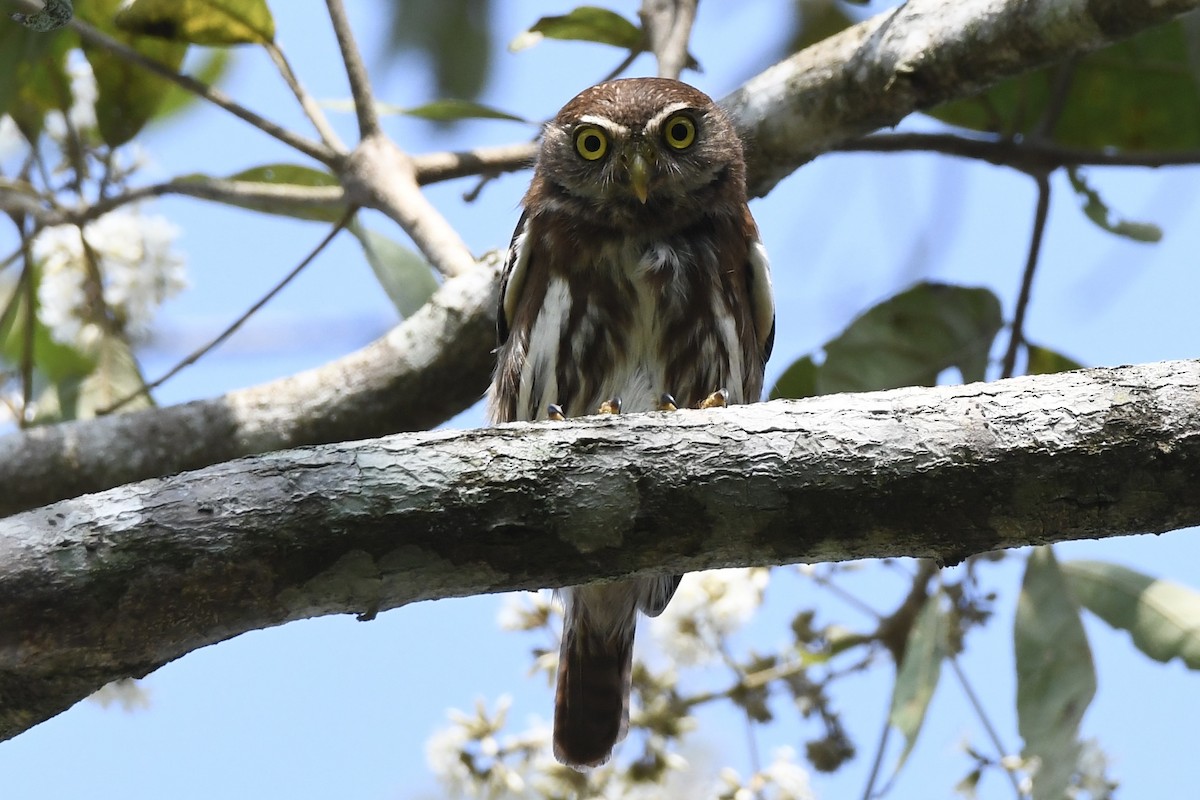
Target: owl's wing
[[513, 279], [762, 298]]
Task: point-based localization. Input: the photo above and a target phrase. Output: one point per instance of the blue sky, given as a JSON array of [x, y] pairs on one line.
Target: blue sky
[[335, 707]]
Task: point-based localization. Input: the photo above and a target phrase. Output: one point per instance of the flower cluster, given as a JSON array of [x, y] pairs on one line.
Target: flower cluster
[[125, 259], [708, 607], [782, 779]]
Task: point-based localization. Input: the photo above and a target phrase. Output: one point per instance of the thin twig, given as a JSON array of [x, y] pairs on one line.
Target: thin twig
[[1017, 335], [315, 150], [869, 790], [436, 167], [356, 71], [845, 596], [287, 198], [1023, 155], [237, 323], [312, 109], [973, 699], [630, 57], [30, 322], [1064, 75]]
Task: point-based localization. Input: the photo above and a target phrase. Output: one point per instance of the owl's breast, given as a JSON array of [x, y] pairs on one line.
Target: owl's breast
[[636, 320]]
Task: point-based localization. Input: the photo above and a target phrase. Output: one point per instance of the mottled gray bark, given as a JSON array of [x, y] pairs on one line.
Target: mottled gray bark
[[437, 364], [118, 583]]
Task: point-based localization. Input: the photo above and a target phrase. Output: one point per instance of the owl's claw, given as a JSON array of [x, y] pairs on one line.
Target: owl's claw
[[718, 399], [612, 406], [666, 402], [555, 413]]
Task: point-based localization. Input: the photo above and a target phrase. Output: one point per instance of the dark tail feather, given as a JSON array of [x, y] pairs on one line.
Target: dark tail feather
[[591, 705]]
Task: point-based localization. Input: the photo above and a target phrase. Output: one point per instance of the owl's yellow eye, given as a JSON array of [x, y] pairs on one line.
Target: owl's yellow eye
[[591, 142], [680, 131]]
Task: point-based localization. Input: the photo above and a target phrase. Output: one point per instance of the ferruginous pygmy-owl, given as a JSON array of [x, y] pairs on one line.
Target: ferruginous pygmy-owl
[[635, 281]]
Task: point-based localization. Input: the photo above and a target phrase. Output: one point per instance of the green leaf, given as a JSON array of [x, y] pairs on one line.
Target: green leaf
[[51, 359], [448, 110], [586, 23], [798, 380], [1163, 617], [405, 276], [910, 338], [207, 22], [1138, 95], [1043, 361], [33, 75], [1098, 212], [918, 674], [1056, 678], [128, 95], [282, 175], [115, 377], [454, 36]]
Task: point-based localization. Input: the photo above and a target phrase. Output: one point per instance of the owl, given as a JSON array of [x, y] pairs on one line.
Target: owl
[[635, 281]]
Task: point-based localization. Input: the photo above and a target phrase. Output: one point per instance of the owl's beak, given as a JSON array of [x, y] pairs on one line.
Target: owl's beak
[[639, 175]]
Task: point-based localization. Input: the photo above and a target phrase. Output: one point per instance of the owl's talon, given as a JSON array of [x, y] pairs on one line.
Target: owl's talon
[[612, 406], [718, 399], [554, 413], [666, 402]]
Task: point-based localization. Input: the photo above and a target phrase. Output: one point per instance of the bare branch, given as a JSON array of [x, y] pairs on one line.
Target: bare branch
[[435, 167], [115, 584], [1027, 156], [311, 108], [668, 25], [356, 71], [1017, 334]]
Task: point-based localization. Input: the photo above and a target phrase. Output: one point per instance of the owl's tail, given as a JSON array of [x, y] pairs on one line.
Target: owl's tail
[[591, 704]]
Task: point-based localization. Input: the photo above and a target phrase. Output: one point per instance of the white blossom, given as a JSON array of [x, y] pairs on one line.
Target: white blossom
[[82, 112], [707, 607], [525, 611], [443, 754], [1092, 767], [789, 778], [11, 140], [138, 267]]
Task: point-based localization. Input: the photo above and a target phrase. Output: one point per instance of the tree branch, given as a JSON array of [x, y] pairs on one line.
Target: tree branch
[[1027, 156], [668, 25], [912, 58], [116, 584]]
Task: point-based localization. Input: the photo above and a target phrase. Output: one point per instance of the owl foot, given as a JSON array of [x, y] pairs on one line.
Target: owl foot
[[612, 406], [666, 403], [555, 413], [718, 399]]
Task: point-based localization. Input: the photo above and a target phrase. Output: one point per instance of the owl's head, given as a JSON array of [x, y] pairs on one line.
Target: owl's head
[[640, 151]]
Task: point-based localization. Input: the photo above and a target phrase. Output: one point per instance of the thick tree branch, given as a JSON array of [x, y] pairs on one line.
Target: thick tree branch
[[118, 583], [923, 53]]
